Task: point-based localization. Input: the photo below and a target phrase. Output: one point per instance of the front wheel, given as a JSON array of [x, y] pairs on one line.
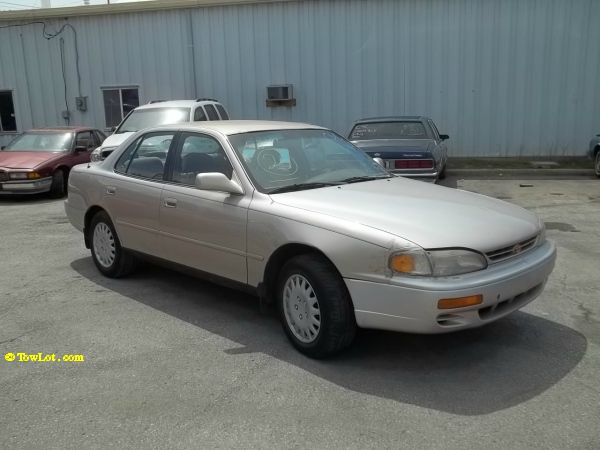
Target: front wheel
[[315, 307], [597, 163], [58, 186], [108, 255]]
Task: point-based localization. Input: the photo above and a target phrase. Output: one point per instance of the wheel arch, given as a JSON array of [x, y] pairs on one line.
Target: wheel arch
[[266, 288]]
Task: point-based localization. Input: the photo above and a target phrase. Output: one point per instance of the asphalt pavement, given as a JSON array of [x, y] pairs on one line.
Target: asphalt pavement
[[174, 362]]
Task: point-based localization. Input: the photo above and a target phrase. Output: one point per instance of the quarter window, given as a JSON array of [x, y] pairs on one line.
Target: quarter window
[[199, 114], [212, 112], [8, 121], [222, 112], [199, 154], [146, 157], [118, 102]]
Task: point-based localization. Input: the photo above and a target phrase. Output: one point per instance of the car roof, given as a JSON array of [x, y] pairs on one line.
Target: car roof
[[230, 127], [63, 129], [392, 119], [177, 103]]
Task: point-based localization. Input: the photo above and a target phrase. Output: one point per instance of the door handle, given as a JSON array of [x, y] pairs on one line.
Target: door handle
[[110, 190], [171, 203]]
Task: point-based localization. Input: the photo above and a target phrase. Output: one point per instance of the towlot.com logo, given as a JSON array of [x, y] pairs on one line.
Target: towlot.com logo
[[42, 357]]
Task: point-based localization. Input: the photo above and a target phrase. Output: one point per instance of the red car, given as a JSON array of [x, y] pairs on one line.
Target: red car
[[40, 160]]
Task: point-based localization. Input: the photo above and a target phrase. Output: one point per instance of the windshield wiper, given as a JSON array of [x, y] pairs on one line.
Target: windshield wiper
[[363, 178], [300, 187]]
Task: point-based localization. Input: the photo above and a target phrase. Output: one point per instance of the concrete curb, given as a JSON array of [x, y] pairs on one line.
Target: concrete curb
[[521, 172]]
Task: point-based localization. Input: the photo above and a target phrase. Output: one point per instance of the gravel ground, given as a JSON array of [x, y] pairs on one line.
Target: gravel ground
[[175, 362]]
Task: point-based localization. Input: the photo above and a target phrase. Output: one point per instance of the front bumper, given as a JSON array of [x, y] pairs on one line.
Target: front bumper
[[410, 304], [26, 186]]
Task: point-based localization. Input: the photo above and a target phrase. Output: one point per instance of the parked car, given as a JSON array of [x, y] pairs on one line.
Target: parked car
[[161, 113], [594, 153], [299, 216], [40, 160], [408, 145]]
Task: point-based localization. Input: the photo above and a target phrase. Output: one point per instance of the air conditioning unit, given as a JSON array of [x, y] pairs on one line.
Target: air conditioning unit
[[280, 92]]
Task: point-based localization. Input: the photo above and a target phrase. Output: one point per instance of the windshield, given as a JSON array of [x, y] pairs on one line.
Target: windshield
[[146, 118], [388, 130], [41, 142], [302, 159]]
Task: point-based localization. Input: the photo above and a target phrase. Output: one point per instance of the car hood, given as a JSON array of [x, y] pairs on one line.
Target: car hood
[[408, 146], [26, 160], [116, 139], [429, 215]]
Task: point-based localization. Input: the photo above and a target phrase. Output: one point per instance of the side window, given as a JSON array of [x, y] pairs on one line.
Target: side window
[[7, 112], [212, 112], [222, 112], [436, 133], [84, 139], [118, 102], [199, 154], [146, 157], [199, 114], [99, 138]]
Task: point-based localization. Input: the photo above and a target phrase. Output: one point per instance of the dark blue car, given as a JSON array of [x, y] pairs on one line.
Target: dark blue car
[[408, 145]]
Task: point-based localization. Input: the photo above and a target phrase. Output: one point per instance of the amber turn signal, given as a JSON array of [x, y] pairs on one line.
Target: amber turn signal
[[33, 175], [403, 263], [460, 302]]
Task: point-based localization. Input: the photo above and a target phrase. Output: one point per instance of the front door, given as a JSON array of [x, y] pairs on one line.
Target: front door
[[203, 229]]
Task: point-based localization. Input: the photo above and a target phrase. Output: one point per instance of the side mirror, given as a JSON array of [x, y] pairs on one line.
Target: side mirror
[[3, 147], [379, 161], [444, 137], [216, 181], [80, 149], [112, 129]]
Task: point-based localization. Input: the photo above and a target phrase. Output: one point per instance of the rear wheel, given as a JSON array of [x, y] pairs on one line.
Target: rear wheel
[[597, 163], [58, 187], [315, 307], [442, 174], [110, 258]]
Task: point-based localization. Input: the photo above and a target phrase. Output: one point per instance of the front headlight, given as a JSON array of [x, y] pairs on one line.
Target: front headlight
[[437, 263], [456, 262], [24, 175]]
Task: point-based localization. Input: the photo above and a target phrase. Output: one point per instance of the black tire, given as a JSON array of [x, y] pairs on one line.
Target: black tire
[[442, 174], [336, 313], [597, 163], [123, 262], [58, 187]]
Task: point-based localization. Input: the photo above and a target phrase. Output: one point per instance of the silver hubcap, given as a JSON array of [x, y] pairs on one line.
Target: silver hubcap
[[104, 245], [301, 308]]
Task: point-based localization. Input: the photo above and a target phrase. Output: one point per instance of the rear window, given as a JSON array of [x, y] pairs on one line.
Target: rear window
[[212, 112], [388, 130]]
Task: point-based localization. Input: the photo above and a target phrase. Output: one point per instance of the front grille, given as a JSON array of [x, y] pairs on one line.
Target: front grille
[[3, 176], [511, 250], [413, 164]]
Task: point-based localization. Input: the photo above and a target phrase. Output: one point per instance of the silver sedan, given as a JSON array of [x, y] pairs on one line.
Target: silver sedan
[[301, 217]]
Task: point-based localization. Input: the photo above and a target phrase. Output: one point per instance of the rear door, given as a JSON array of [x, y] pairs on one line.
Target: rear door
[[203, 229], [132, 195]]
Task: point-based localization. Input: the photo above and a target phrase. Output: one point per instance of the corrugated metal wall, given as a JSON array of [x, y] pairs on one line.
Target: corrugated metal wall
[[510, 77]]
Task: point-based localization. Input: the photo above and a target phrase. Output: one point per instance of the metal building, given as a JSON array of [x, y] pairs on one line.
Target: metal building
[[502, 77]]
